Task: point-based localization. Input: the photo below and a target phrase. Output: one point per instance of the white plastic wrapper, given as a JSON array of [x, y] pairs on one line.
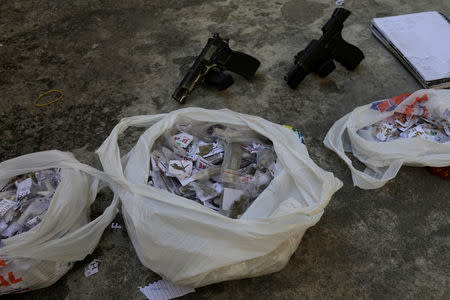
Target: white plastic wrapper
[[384, 155], [244, 158], [192, 245], [39, 257], [31, 201]]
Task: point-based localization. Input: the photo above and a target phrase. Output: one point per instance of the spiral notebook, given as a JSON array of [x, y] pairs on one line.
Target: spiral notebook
[[421, 41]]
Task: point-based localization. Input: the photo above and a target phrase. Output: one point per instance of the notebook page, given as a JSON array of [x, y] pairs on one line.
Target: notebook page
[[424, 40]]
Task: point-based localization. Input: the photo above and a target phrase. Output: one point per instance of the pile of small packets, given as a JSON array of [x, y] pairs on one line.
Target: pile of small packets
[[25, 200], [409, 126], [222, 167]]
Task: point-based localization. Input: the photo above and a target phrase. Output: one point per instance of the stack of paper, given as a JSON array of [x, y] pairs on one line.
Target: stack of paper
[[164, 290], [421, 41]]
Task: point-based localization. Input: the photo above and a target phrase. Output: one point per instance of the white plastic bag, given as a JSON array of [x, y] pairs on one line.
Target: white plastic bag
[[192, 245], [39, 257], [384, 159]]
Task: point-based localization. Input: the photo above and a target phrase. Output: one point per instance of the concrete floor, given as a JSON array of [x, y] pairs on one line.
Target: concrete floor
[[122, 58]]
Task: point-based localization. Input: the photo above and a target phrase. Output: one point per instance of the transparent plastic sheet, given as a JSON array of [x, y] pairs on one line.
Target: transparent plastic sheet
[[230, 190], [200, 246], [25, 201], [39, 257], [186, 165], [384, 159]]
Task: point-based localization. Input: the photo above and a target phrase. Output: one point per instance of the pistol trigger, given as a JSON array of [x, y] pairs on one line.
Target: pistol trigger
[[324, 68]]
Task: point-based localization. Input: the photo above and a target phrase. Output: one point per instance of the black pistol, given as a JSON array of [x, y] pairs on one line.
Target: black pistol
[[208, 68], [318, 56]]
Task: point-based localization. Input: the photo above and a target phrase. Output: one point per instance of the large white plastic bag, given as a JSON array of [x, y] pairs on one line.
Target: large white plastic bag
[[192, 245], [384, 159], [39, 257]]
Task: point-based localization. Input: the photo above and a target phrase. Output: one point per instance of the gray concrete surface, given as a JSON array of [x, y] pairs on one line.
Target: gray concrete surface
[[116, 58]]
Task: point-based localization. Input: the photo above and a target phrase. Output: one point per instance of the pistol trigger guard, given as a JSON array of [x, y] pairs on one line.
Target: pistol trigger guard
[[324, 68], [218, 79]]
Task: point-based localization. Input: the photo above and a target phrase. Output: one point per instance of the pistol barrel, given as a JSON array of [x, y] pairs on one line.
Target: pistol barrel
[[295, 75], [198, 69], [180, 94], [189, 81]]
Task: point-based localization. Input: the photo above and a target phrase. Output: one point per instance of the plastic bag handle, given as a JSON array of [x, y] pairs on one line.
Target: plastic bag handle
[[67, 248], [90, 232], [278, 131], [334, 141], [111, 163]]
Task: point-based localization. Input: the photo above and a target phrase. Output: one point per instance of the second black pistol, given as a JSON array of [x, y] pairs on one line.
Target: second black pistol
[[215, 58], [318, 56]]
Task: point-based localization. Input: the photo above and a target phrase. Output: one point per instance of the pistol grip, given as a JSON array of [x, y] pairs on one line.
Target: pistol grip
[[242, 64], [218, 79], [348, 55]]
